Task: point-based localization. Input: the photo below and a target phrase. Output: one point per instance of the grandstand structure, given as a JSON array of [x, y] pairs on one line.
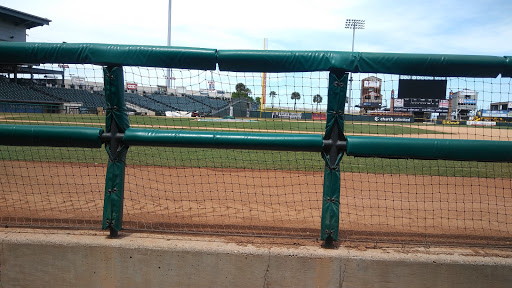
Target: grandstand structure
[[23, 88], [24, 97]]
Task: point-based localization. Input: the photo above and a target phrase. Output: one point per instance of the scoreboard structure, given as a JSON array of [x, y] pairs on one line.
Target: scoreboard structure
[[421, 96]]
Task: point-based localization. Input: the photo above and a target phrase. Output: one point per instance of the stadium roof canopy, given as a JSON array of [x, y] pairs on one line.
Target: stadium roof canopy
[[19, 18]]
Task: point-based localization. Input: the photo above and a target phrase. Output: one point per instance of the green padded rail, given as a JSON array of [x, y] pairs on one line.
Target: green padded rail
[[234, 140], [443, 65], [391, 63], [443, 149], [108, 54], [52, 136]]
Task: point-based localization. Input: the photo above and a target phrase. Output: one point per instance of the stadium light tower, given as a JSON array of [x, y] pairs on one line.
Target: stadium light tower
[[168, 78], [352, 24]]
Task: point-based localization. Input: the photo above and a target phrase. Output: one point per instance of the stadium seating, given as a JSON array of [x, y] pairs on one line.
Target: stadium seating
[[12, 91], [146, 103], [88, 99], [214, 103], [181, 103]]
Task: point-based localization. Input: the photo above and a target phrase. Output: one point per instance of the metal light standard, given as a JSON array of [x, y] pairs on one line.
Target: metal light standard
[[169, 73], [352, 24]]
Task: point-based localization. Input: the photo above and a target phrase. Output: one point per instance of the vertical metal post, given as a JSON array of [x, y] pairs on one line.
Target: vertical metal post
[[116, 122], [332, 155], [168, 80]]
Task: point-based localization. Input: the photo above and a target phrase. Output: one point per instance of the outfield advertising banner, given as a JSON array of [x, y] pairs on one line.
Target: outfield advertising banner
[[421, 105], [393, 119], [480, 123], [318, 116], [286, 115]]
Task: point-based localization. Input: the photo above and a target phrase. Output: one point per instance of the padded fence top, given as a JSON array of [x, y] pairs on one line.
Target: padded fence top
[[443, 65]]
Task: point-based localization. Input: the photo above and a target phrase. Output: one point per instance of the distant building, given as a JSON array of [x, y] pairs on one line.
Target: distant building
[[503, 106], [463, 104], [371, 97], [13, 28], [14, 24]]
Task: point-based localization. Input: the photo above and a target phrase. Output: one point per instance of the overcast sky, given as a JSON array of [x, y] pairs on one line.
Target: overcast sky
[[481, 27]]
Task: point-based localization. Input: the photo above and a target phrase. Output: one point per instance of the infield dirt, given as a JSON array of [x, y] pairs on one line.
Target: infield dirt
[[374, 207]]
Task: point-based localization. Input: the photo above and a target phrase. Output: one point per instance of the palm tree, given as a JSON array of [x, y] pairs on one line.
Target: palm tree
[[272, 95], [295, 96], [317, 99]]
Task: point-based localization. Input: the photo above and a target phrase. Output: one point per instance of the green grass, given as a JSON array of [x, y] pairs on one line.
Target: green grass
[[261, 125], [268, 160], [242, 159]]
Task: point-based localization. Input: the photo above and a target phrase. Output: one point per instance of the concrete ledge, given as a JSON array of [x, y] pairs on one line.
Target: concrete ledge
[[50, 258]]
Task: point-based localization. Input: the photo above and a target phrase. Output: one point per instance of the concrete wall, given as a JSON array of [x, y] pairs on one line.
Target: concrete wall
[[52, 258]]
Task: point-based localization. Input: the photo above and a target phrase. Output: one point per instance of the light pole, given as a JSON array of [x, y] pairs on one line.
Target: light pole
[[352, 24], [168, 79]]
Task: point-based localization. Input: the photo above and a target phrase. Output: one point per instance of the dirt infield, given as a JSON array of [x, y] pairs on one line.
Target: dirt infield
[[373, 207]]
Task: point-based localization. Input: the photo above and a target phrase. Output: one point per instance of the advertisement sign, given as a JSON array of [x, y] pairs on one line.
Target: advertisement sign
[[399, 103], [467, 101], [131, 86], [371, 84], [78, 80], [318, 116], [162, 89], [450, 122], [480, 123], [286, 115], [393, 119], [444, 103], [371, 104]]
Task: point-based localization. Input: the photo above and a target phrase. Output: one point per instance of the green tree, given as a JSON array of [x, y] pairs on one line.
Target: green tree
[[241, 91], [272, 95], [317, 99], [295, 96]]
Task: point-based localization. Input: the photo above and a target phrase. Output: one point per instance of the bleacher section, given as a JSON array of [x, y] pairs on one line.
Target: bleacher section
[[14, 92], [214, 103], [88, 99], [181, 103], [91, 100], [146, 103]]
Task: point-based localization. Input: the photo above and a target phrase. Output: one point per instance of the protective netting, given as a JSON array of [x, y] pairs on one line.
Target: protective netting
[[256, 192]]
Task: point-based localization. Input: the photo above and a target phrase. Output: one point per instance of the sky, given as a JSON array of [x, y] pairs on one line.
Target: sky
[[470, 27], [475, 27]]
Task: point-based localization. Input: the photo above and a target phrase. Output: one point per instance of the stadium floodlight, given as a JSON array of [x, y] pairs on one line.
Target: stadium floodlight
[[169, 73], [352, 24]]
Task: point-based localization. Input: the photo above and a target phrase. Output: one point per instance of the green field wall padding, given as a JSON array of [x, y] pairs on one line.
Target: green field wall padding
[[332, 156], [116, 122]]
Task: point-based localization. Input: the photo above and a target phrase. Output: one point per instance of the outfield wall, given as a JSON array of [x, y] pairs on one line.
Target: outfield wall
[[39, 258]]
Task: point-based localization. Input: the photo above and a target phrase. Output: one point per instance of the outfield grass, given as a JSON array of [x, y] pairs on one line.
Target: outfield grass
[[242, 159], [268, 160], [273, 125]]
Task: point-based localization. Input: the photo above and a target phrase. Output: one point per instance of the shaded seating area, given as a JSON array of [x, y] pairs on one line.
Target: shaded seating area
[[16, 92], [146, 103], [181, 103], [214, 103], [88, 99]]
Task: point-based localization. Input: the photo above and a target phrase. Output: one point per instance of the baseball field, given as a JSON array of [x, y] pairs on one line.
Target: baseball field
[[262, 193]]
